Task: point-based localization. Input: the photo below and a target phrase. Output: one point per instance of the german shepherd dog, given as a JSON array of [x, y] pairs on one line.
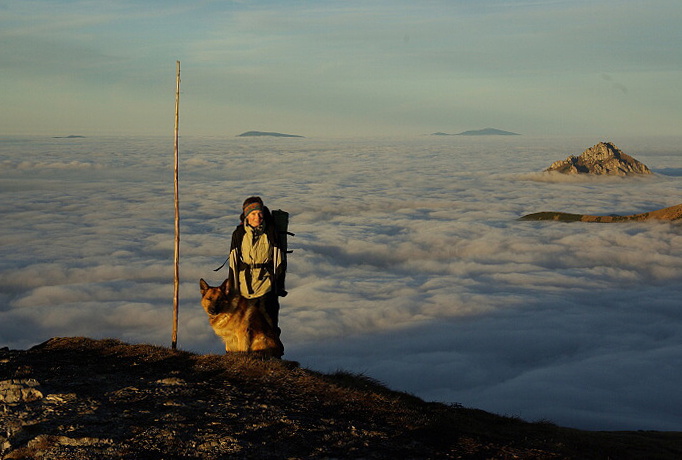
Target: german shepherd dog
[[243, 326]]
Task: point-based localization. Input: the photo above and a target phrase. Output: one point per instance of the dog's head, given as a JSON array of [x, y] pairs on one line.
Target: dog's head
[[214, 298]]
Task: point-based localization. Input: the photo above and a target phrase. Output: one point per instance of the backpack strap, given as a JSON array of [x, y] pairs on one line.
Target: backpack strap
[[216, 269]]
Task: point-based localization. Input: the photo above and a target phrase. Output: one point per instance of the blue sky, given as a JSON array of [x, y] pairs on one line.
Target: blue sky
[[342, 68]]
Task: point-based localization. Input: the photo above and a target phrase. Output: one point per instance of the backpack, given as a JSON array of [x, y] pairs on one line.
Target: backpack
[[281, 220]]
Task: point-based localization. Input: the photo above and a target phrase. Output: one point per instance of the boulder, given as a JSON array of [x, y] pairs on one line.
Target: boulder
[[601, 159]]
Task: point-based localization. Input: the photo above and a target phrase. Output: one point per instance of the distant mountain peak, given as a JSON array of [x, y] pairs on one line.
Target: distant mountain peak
[[602, 159], [488, 132], [264, 133], [480, 132]]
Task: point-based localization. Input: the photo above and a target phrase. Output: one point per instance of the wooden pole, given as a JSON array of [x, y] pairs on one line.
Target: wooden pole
[[176, 259]]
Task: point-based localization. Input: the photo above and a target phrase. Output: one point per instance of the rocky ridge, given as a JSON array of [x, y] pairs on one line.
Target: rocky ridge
[[602, 159], [672, 213], [78, 398]]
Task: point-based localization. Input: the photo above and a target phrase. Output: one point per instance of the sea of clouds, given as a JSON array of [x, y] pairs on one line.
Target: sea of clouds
[[410, 264]]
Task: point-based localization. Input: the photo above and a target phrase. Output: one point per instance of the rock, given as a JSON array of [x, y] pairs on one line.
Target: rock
[[14, 391], [601, 159]]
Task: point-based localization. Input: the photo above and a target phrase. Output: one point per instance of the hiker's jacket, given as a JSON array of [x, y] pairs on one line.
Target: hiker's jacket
[[256, 263]]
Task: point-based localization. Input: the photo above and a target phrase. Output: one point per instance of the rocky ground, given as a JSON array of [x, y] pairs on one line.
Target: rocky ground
[[78, 398]]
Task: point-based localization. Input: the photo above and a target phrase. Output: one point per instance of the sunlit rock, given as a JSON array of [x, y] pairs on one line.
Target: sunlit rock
[[672, 213], [601, 159]]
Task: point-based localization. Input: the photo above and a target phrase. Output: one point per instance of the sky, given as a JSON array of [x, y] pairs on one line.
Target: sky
[[410, 265], [341, 68]]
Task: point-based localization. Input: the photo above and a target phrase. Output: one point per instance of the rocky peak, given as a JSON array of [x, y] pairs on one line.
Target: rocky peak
[[602, 159]]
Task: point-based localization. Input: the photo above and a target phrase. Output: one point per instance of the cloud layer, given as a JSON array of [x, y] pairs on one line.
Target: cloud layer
[[409, 264]]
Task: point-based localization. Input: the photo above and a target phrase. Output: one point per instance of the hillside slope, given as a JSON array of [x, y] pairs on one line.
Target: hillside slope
[[80, 398]]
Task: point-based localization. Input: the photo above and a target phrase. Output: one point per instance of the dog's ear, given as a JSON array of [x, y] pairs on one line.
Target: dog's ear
[[203, 286], [226, 286]]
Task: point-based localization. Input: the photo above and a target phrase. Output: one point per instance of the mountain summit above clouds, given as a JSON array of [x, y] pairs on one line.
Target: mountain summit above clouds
[[480, 132], [672, 213], [80, 398], [265, 133], [601, 159]]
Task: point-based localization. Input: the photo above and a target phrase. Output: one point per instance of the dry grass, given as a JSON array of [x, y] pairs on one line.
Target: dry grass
[[142, 401]]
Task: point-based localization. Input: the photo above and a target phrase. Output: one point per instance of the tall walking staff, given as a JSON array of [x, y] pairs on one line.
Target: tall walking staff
[[176, 259]]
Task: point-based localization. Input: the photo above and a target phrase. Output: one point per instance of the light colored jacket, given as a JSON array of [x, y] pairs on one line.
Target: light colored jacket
[[256, 267]]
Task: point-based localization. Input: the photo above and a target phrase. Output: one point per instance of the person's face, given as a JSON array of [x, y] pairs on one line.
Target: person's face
[[255, 218]]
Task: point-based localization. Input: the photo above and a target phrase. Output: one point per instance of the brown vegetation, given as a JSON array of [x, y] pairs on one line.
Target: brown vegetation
[[79, 398], [672, 213]]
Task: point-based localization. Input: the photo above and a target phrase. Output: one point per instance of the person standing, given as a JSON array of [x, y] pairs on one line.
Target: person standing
[[257, 265]]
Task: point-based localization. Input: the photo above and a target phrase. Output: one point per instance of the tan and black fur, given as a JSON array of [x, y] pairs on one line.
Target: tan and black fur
[[243, 326]]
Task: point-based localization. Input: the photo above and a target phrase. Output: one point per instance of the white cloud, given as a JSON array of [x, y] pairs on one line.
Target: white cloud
[[409, 262]]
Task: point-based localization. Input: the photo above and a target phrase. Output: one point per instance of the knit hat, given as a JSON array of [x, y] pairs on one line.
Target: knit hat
[[251, 204]]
